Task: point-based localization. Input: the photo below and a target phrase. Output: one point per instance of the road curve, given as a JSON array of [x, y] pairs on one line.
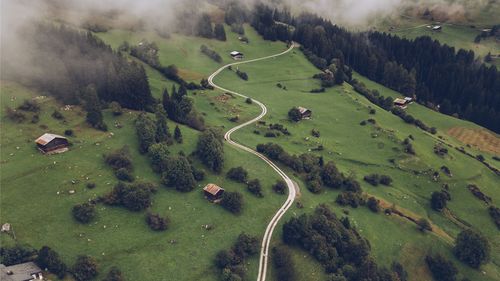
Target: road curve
[[264, 250]]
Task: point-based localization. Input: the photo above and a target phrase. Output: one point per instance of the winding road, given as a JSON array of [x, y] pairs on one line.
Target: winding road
[[292, 191]]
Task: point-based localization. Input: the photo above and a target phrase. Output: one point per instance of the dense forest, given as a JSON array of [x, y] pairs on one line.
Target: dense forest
[[438, 75], [66, 62]]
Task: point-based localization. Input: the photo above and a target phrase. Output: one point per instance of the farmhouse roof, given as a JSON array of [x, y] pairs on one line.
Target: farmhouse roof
[[399, 101], [235, 53], [46, 138], [212, 188], [19, 272], [302, 110]]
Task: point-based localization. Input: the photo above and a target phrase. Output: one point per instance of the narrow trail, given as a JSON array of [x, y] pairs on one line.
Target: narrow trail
[[264, 250]]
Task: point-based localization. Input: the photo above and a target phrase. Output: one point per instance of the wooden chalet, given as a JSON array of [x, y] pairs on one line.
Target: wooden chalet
[[213, 192], [236, 55], [402, 103], [27, 271], [52, 143], [304, 112]]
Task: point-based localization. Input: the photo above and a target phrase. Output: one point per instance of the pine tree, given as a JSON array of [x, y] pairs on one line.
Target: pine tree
[[146, 132], [219, 32], [165, 100], [162, 132], [177, 134], [204, 27], [93, 108]]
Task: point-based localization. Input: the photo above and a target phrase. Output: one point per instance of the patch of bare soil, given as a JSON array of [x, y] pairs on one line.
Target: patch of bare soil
[[479, 138]]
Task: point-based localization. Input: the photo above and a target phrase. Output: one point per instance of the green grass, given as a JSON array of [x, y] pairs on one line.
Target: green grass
[[43, 217], [366, 149]]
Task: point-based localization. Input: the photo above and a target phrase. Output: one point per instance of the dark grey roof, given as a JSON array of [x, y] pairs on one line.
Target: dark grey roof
[[19, 272]]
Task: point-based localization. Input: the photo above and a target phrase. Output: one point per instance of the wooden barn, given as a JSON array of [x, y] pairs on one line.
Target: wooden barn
[[213, 192], [403, 103], [52, 143], [304, 112], [27, 271], [236, 55]]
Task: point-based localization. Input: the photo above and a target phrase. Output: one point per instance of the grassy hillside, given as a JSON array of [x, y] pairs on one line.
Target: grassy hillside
[[40, 216]]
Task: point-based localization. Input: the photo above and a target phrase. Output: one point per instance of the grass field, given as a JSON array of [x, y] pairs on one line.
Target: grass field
[[40, 216]]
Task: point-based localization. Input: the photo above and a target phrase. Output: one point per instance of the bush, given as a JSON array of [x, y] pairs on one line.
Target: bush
[[441, 268], [49, 259], [472, 248], [424, 225], [495, 215], [315, 133], [16, 254], [85, 268], [373, 204], [119, 158], [248, 100], [238, 174], [242, 75], [283, 264], [280, 187], [372, 179], [124, 175], [385, 180], [349, 198], [68, 132], [232, 201], [198, 174], [29, 105], [135, 197], [15, 115], [179, 174], [57, 115], [211, 54], [114, 274], [84, 213], [270, 135], [91, 185], [294, 115], [438, 200], [246, 245], [156, 222], [255, 187]]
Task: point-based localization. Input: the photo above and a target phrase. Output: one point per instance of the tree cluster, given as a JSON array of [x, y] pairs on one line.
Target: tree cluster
[[50, 259], [441, 268], [232, 201], [437, 74], [78, 59], [180, 108], [472, 248], [232, 262], [211, 53], [495, 215], [157, 222], [336, 244], [210, 150], [85, 268], [439, 200], [121, 162], [284, 265], [376, 179], [134, 197]]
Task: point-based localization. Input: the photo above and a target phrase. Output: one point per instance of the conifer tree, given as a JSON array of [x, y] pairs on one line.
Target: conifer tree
[[177, 134], [162, 132]]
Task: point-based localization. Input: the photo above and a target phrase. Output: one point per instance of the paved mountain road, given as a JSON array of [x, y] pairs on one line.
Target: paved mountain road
[[292, 186]]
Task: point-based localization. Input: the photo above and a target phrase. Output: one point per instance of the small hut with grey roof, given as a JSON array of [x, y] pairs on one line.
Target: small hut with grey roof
[[27, 271]]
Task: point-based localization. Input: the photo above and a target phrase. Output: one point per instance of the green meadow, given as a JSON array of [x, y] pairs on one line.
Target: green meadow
[[35, 188]]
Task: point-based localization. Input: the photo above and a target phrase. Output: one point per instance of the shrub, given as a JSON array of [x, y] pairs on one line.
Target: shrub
[[315, 133], [232, 201], [179, 174], [198, 174], [16, 254], [29, 105], [124, 175], [424, 225], [472, 248], [270, 135], [385, 180], [349, 198], [135, 197], [68, 132], [441, 268], [372, 179], [255, 187], [438, 200], [211, 54], [238, 174], [495, 215], [242, 75], [156, 222], [84, 213], [246, 245], [15, 115], [57, 115], [294, 115], [283, 264], [85, 268], [49, 259], [280, 187], [90, 185], [249, 100], [119, 158], [114, 274], [373, 204]]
